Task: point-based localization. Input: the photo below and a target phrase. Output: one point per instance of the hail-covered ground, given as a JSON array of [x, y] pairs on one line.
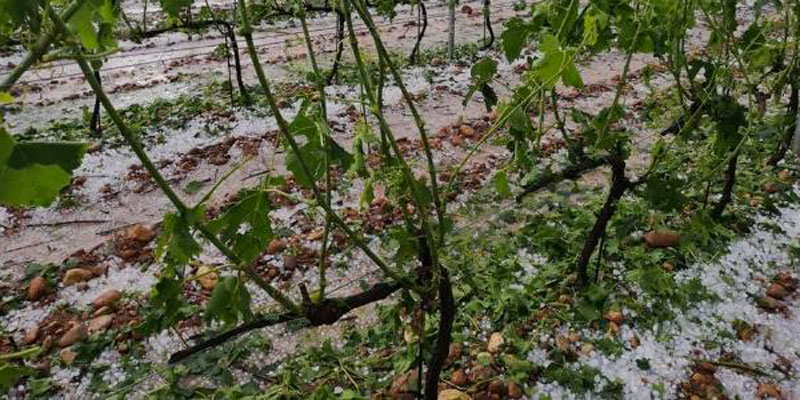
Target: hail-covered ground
[[665, 360], [77, 276]]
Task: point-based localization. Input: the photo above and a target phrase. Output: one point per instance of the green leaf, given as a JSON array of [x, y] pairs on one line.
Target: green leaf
[[484, 70], [167, 305], [230, 301], [194, 187], [556, 63], [566, 17], [368, 194], [549, 44], [11, 373], [66, 155], [34, 173], [245, 226], [501, 185], [15, 14], [482, 73], [176, 245], [81, 23], [729, 16], [591, 29], [664, 192], [40, 387], [363, 134], [571, 77], [106, 12], [406, 245], [313, 151], [489, 96], [752, 38], [6, 98], [174, 7], [654, 281], [590, 307], [730, 117], [514, 37]]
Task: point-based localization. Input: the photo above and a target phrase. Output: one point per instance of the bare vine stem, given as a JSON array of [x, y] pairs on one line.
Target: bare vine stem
[[382, 52], [162, 183], [320, 82], [247, 32], [377, 110]]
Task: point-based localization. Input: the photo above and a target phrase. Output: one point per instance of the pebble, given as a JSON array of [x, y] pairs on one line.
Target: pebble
[[68, 355], [31, 335], [404, 383], [76, 275], [100, 311], [614, 316], [141, 233], [770, 304], [99, 270], [587, 349], [276, 246], [495, 342], [47, 344], [497, 386], [777, 291], [668, 266], [613, 329], [458, 377], [466, 130], [453, 394], [289, 262], [768, 390], [73, 335], [454, 353], [661, 239], [207, 277], [562, 343], [37, 288], [513, 390], [107, 298], [100, 324]]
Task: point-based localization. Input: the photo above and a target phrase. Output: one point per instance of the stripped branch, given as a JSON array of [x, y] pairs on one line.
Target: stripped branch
[[571, 172], [326, 313]]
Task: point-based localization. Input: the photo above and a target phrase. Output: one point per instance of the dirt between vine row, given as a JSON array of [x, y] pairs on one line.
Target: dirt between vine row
[[116, 200]]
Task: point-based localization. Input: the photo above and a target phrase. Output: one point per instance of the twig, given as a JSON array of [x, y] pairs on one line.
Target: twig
[[71, 222], [27, 246], [734, 365], [117, 229]]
